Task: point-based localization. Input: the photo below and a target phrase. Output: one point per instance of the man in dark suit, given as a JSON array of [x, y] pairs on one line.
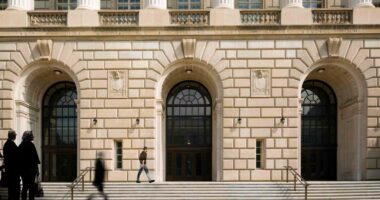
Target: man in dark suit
[[11, 161], [99, 176]]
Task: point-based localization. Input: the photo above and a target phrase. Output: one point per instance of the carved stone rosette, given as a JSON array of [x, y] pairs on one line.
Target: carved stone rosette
[[333, 46], [45, 48], [260, 83], [117, 84], [188, 46]]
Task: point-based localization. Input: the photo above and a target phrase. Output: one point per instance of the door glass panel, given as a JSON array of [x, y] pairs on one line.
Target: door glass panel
[[60, 133], [319, 130], [189, 132]]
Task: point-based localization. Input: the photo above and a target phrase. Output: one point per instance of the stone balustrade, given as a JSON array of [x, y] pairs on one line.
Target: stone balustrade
[[260, 17], [332, 16], [189, 17], [119, 18], [48, 18]]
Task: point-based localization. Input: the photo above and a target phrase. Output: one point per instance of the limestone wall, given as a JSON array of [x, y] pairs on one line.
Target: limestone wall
[[93, 64]]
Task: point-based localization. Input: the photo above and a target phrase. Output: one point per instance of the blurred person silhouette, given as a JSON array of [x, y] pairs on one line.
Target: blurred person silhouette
[[99, 176], [12, 163], [143, 166], [28, 164]]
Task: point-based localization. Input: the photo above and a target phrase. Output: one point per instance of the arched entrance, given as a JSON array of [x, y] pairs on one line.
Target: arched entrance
[[329, 79], [319, 131], [59, 133], [188, 133]]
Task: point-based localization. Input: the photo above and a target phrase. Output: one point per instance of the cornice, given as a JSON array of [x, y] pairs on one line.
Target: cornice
[[197, 32]]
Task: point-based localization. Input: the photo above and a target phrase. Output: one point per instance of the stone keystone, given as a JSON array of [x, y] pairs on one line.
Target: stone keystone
[[45, 47], [188, 46], [333, 46]]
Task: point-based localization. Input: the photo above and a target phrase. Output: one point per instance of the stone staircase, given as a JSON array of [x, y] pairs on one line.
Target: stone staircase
[[216, 190]]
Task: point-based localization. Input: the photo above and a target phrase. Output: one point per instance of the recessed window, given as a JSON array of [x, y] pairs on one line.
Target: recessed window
[[106, 4], [66, 4], [250, 4], [128, 4], [3, 4], [118, 154], [189, 4], [313, 3], [259, 154]]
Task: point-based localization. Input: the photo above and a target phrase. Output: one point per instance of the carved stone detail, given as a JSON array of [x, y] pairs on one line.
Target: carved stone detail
[[45, 48], [117, 84], [188, 46], [333, 46], [260, 83]]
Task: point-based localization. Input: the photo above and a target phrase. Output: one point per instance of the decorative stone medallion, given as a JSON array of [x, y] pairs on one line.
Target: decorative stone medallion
[[117, 84], [260, 83]]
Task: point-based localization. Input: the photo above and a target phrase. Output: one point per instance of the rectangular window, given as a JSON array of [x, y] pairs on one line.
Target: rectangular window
[[259, 154], [128, 4], [106, 5], [42, 5], [189, 4], [250, 4], [313, 3], [66, 4], [118, 155], [3, 4]]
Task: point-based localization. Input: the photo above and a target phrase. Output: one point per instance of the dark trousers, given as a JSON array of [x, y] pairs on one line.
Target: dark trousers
[[28, 185], [145, 168], [14, 186], [14, 191]]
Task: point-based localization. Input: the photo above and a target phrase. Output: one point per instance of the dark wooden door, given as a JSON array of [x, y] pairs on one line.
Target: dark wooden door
[[319, 132], [59, 146], [188, 133]]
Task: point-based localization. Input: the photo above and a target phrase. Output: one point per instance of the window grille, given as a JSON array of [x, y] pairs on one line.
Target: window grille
[[119, 155], [189, 4], [128, 5], [66, 4], [106, 5], [259, 154], [313, 3], [250, 4]]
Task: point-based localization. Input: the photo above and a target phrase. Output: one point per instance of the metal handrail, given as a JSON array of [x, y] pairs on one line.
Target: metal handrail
[[79, 179], [298, 177]]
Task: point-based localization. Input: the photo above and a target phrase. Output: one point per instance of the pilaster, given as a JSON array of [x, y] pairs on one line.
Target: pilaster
[[291, 3], [362, 3], [157, 4], [89, 4]]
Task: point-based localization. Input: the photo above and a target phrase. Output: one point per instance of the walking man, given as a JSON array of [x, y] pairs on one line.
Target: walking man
[[143, 166], [99, 176], [11, 161]]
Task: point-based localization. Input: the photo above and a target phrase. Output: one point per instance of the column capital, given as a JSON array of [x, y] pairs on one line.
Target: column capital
[[362, 4], [20, 5], [88, 4], [291, 4]]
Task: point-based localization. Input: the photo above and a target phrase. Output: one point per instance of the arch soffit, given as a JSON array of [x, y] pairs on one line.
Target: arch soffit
[[352, 72], [38, 76], [201, 72]]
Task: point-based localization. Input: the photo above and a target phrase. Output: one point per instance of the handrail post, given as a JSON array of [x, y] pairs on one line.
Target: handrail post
[[90, 170], [72, 193], [306, 191], [295, 182], [82, 183]]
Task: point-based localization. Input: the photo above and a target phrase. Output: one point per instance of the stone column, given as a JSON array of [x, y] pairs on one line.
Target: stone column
[[223, 4], [89, 4], [20, 4], [160, 4], [361, 3], [291, 4], [160, 142]]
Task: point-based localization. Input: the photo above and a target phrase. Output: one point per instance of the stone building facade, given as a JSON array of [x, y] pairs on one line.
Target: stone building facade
[[273, 88]]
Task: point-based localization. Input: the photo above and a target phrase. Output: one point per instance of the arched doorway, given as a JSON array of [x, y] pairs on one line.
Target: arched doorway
[[319, 131], [59, 133], [188, 133]]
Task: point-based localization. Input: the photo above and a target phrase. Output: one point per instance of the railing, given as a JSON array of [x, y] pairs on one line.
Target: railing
[[79, 179], [119, 18], [48, 18], [260, 17], [296, 177], [332, 16], [189, 17]]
